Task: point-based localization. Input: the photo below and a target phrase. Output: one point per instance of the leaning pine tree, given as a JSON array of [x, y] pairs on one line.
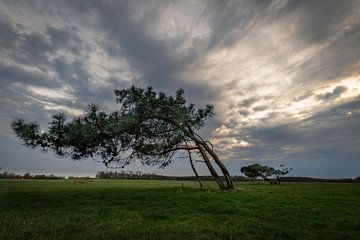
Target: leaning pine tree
[[149, 127]]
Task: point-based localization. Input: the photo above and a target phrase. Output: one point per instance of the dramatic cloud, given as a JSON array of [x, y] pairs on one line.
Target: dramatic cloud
[[284, 76], [333, 94]]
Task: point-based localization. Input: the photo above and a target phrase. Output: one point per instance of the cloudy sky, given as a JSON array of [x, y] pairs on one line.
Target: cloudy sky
[[284, 76]]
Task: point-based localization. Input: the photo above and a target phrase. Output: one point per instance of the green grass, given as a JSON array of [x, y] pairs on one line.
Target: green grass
[[145, 209]]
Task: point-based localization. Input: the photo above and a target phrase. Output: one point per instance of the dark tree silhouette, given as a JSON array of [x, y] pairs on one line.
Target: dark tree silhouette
[[149, 127], [257, 170]]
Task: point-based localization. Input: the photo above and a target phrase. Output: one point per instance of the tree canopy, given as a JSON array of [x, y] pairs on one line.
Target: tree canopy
[[257, 170], [148, 126]]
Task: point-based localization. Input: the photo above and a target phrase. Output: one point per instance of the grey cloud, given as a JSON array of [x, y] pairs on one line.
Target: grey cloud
[[334, 61], [65, 38], [335, 93], [231, 84], [8, 34], [11, 74], [303, 97], [329, 136], [231, 20], [333, 24], [336, 114], [33, 48], [260, 108], [151, 57], [248, 102], [146, 54], [319, 18], [127, 38], [28, 48], [22, 47], [15, 104], [244, 112], [77, 76]]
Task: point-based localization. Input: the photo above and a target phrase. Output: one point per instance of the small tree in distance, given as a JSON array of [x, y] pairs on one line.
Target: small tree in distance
[[257, 170], [148, 127]]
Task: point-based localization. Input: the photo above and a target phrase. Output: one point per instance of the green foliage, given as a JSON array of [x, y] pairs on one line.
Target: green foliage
[[150, 209], [257, 170], [148, 126]]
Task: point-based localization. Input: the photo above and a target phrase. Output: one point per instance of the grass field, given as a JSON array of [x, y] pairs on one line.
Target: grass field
[[149, 209]]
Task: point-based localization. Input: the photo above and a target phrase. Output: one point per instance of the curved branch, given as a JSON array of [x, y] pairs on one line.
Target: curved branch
[[208, 142], [211, 168], [199, 161], [193, 168]]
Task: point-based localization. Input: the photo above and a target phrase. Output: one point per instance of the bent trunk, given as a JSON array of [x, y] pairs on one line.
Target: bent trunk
[[204, 147], [211, 168], [194, 170], [266, 179], [229, 183]]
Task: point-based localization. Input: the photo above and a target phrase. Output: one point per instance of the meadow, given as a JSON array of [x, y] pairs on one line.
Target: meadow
[[154, 209]]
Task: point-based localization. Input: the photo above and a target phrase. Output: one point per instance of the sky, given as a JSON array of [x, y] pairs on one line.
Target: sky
[[284, 76]]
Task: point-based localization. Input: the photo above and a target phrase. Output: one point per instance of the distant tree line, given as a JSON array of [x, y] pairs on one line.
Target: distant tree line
[[237, 178], [8, 175], [125, 175], [310, 179], [141, 175]]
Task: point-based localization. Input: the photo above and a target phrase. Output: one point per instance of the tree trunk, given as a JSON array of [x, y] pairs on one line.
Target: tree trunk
[[211, 168], [266, 179], [229, 183], [194, 170], [203, 147]]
